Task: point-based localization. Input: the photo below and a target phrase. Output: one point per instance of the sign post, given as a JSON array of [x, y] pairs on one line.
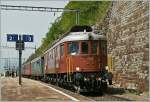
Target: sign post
[[20, 55], [19, 46]]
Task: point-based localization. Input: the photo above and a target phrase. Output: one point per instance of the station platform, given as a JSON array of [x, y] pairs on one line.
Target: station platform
[[30, 90]]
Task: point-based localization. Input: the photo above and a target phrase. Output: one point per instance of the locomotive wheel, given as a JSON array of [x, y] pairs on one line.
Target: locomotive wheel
[[101, 91], [104, 86]]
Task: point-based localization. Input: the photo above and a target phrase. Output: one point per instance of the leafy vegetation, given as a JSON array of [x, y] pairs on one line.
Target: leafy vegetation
[[90, 13]]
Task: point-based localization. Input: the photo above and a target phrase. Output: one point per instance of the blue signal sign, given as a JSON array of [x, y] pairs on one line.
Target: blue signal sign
[[12, 37], [28, 38]]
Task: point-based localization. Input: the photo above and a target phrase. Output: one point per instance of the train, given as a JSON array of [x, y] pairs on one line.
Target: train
[[76, 60]]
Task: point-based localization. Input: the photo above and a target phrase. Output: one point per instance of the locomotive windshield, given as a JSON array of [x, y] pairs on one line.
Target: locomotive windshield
[[73, 48], [84, 47], [94, 49], [104, 47]]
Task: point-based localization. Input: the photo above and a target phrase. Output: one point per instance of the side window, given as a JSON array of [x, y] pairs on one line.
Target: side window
[[73, 48], [84, 47], [94, 47], [104, 47], [49, 56], [52, 54], [61, 50], [56, 54]]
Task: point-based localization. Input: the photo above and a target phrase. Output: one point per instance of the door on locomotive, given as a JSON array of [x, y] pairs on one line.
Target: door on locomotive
[[103, 53]]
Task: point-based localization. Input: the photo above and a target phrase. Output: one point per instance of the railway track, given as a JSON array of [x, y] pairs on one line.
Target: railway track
[[108, 96]]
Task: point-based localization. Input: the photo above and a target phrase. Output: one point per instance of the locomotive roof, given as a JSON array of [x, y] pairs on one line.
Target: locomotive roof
[[25, 63], [79, 28], [77, 33], [77, 36]]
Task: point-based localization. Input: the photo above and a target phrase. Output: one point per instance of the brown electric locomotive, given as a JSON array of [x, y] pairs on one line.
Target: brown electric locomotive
[[76, 60]]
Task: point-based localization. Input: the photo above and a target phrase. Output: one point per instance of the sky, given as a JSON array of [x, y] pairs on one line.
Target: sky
[[25, 22]]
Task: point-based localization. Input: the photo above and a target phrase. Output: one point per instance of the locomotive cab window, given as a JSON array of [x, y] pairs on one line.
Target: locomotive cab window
[[104, 47], [73, 48], [84, 47], [61, 50], [94, 47]]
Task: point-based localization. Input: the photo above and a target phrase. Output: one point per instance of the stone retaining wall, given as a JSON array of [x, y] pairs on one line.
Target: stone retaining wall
[[128, 43]]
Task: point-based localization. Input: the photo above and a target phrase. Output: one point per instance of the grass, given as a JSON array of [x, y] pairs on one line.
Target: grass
[[90, 13]]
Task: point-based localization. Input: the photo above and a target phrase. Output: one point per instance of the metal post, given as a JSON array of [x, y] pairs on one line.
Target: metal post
[[20, 55], [77, 17], [35, 48]]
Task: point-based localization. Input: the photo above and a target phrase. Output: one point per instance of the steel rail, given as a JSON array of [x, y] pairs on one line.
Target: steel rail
[[15, 47]]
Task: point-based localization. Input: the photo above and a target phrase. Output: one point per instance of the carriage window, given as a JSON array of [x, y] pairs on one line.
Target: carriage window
[[73, 48], [49, 55], [84, 47], [52, 54], [61, 50], [56, 52], [94, 47]]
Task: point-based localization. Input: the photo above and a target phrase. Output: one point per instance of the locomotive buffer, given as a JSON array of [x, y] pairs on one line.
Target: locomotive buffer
[[19, 46]]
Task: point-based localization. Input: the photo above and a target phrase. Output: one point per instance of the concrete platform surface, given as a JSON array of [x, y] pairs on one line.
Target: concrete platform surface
[[30, 90]]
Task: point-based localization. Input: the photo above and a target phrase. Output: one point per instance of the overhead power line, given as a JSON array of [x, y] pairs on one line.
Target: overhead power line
[[7, 47], [33, 8], [41, 9], [11, 58]]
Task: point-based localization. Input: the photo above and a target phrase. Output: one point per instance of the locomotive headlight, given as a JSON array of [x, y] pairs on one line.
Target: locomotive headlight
[[106, 67], [77, 68], [98, 78], [86, 79]]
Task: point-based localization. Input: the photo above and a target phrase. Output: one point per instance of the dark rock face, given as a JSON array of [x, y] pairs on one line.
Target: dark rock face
[[127, 26]]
